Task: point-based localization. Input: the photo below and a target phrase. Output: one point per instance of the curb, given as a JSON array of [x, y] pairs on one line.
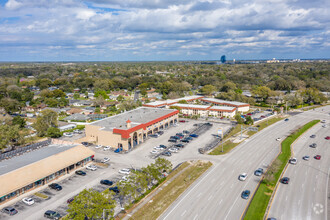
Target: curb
[[286, 166]]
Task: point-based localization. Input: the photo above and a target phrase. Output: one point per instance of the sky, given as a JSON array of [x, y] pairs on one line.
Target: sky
[[161, 30]]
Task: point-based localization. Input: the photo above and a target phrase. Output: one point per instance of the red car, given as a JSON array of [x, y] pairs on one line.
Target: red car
[[317, 157], [249, 114], [182, 121], [327, 137]]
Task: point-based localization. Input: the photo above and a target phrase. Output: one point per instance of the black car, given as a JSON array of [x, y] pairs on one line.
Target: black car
[[84, 143], [313, 136], [162, 146], [114, 189], [174, 137], [179, 145], [173, 140], [106, 182], [52, 215], [285, 180], [69, 200], [189, 138], [80, 172], [167, 153], [179, 134], [185, 140], [55, 186], [246, 194], [186, 132], [193, 135], [10, 211], [160, 132], [286, 119], [313, 145]]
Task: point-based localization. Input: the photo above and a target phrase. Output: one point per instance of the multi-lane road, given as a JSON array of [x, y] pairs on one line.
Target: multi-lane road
[[306, 195], [217, 194]]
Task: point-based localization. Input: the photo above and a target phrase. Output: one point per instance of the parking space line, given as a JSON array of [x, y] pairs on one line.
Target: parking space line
[[195, 217], [199, 194], [210, 197], [220, 202], [184, 213]]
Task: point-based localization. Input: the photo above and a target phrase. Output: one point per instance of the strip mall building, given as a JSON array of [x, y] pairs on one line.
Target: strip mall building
[[129, 129], [39, 166]]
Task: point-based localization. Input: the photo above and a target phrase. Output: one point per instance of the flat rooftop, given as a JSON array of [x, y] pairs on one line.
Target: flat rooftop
[[192, 106], [137, 116], [27, 158], [172, 101], [220, 101], [225, 108]]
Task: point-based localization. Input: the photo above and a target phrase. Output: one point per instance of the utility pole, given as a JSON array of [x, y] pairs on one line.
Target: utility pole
[[241, 131], [286, 107]]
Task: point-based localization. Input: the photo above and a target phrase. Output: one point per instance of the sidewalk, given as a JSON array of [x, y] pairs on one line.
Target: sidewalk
[[149, 197]]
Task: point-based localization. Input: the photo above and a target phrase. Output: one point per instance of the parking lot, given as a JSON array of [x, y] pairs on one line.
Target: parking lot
[[137, 158]]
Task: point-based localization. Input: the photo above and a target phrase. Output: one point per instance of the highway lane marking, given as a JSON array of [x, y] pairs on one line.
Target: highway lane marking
[[210, 197], [184, 213], [195, 217], [199, 194], [286, 198], [326, 195], [192, 190], [220, 202], [103, 172]]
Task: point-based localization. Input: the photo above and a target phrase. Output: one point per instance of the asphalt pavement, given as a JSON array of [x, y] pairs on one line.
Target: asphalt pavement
[[306, 196], [217, 194]]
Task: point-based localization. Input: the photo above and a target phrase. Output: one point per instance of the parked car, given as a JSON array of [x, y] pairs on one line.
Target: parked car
[[124, 171], [98, 146], [28, 201], [305, 157], [327, 138], [179, 134], [286, 119], [185, 132], [158, 148], [52, 215], [278, 139], [80, 172], [77, 131], [193, 135], [67, 134], [179, 145], [174, 150], [154, 135], [106, 148], [160, 132], [185, 140], [114, 189], [189, 138], [154, 152], [91, 167], [313, 145], [174, 137], [259, 172], [9, 210], [313, 136], [173, 140], [182, 121], [85, 143], [162, 146], [323, 121], [285, 180], [106, 159], [106, 182], [317, 157], [242, 176], [246, 194], [167, 153], [324, 126], [293, 161], [55, 186]]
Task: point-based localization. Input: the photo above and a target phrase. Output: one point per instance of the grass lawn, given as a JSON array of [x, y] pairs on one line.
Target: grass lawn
[[227, 146], [265, 124], [164, 198], [261, 199], [41, 195]]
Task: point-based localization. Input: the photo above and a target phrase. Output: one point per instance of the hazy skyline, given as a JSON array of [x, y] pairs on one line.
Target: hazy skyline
[[138, 30]]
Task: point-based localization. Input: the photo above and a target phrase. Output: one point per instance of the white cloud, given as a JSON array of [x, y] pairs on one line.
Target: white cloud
[[13, 4]]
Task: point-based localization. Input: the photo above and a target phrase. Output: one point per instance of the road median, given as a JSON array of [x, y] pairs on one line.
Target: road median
[[268, 185]]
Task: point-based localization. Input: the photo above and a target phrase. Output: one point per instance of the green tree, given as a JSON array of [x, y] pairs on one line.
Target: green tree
[[46, 119], [262, 92], [248, 120], [91, 204], [239, 119], [53, 132], [57, 93], [10, 105], [8, 135], [208, 89], [228, 86], [18, 120], [183, 102], [101, 93], [76, 96]]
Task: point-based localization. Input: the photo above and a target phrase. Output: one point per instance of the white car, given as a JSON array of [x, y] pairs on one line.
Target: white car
[[77, 131], [158, 148], [323, 121], [91, 167], [278, 139], [324, 126], [174, 150], [154, 152], [67, 134], [106, 159], [124, 178], [242, 176], [124, 171], [106, 148], [28, 201], [98, 146], [306, 157], [293, 160]]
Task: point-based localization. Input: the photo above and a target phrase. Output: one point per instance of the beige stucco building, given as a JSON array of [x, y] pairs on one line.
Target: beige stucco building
[[47, 162], [129, 129], [240, 106]]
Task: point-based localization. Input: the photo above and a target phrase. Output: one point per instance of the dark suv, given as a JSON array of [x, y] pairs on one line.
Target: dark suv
[[52, 215], [106, 182], [10, 211], [55, 186], [285, 180], [114, 189]]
